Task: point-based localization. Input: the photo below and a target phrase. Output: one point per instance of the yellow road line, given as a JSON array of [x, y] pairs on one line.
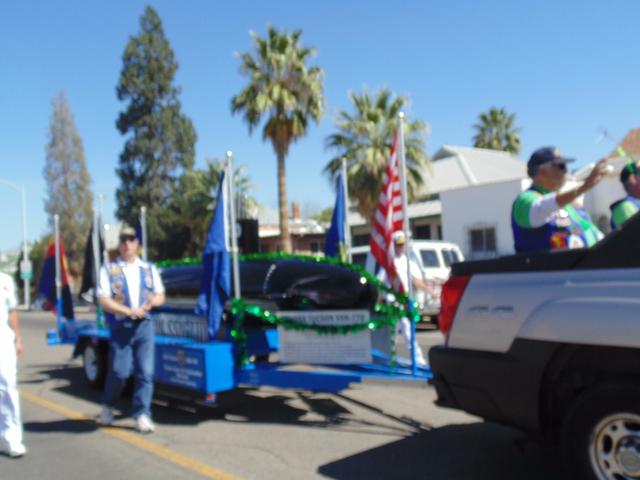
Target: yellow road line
[[136, 440]]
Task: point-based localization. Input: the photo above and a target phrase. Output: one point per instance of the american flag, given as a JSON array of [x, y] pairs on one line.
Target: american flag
[[389, 218]]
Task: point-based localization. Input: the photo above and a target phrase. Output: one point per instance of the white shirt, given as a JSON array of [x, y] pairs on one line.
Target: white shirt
[[543, 209], [131, 273], [401, 269], [8, 302]]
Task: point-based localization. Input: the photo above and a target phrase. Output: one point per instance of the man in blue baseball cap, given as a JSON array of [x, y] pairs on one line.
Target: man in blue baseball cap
[[627, 207], [542, 217]]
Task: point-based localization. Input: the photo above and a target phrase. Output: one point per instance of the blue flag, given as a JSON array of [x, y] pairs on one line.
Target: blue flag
[[138, 230], [215, 288], [335, 244]]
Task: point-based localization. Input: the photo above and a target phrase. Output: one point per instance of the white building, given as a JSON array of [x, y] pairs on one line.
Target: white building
[[478, 217], [479, 188]]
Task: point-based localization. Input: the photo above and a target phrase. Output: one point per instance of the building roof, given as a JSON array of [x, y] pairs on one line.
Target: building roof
[[630, 143], [269, 224], [456, 167]]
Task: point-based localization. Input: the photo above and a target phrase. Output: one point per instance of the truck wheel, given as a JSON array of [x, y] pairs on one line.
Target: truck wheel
[[601, 434], [94, 365]]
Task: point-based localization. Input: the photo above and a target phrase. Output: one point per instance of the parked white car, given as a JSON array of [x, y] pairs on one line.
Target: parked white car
[[434, 257]]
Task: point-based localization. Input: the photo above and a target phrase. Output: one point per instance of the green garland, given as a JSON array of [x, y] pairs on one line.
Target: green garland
[[384, 314]]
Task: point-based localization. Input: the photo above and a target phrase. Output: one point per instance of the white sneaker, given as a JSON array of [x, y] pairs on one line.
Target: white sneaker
[[106, 416], [15, 451], [144, 424]]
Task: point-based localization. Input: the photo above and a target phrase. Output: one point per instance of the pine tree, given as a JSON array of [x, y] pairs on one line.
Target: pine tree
[[160, 140], [68, 182]]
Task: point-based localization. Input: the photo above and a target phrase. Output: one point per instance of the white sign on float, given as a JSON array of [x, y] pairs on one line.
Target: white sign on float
[[307, 346]]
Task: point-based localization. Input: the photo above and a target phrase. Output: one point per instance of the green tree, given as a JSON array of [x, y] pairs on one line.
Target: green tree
[[323, 216], [285, 92], [496, 131], [160, 140], [68, 182], [192, 205], [37, 252], [365, 137]]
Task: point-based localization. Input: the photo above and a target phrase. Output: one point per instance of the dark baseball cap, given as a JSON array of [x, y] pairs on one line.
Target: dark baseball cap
[[547, 155], [631, 168]]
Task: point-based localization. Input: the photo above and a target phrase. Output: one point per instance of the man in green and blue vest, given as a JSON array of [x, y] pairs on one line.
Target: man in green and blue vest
[[542, 217], [128, 289], [627, 207]]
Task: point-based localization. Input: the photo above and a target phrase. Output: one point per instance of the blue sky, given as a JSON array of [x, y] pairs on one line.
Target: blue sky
[[564, 68]]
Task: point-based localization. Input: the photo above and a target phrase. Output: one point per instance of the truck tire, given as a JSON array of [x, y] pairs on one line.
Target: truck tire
[[601, 434], [94, 365]]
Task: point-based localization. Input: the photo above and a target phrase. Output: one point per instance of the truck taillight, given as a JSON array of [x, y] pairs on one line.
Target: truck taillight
[[450, 298]]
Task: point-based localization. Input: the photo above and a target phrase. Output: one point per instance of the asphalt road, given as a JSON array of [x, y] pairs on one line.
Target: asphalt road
[[368, 431]]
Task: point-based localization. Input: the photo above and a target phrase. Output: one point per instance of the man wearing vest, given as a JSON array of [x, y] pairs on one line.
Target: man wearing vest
[[542, 217], [627, 207], [129, 288]]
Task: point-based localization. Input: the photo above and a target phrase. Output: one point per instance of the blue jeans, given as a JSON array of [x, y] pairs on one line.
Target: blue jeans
[[131, 346]]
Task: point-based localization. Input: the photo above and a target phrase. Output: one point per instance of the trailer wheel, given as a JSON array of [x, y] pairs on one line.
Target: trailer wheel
[[94, 363]]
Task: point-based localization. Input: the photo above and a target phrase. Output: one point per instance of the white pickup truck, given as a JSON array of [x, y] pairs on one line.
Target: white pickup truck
[[549, 343]]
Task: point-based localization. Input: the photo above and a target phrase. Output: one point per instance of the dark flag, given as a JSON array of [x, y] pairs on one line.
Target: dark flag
[[88, 289], [141, 233], [215, 288], [47, 286], [336, 241]]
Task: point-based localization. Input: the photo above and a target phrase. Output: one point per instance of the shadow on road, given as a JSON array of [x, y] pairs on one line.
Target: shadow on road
[[478, 451], [66, 426], [242, 405]]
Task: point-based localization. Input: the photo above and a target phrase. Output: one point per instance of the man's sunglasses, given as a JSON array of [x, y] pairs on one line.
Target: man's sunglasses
[[127, 238], [560, 166]]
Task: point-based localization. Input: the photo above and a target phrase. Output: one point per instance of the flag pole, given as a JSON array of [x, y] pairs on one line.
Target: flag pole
[[405, 227], [105, 252], [232, 230], [143, 231], [56, 239], [345, 189], [95, 243]]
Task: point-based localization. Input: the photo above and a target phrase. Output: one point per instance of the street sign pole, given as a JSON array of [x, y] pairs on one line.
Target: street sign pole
[[25, 265]]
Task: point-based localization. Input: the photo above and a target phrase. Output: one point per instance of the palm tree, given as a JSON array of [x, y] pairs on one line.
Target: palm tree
[[192, 205], [496, 131], [286, 93], [364, 139]]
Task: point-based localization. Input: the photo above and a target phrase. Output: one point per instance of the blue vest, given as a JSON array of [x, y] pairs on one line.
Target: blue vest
[[628, 198], [567, 228], [120, 289]]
